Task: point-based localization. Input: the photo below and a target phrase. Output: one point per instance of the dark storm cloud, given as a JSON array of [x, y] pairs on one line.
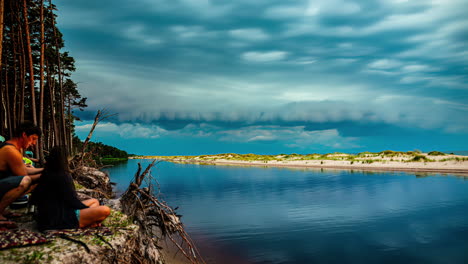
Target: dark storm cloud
[[353, 66]]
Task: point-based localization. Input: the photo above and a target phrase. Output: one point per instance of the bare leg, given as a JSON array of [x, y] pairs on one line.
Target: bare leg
[[35, 177], [31, 188], [91, 203], [13, 194], [93, 216]]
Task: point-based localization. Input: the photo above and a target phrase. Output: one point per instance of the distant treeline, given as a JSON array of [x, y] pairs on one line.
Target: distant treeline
[[102, 152]]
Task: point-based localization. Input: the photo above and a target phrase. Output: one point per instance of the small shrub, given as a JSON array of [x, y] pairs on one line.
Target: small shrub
[[420, 158], [436, 153]]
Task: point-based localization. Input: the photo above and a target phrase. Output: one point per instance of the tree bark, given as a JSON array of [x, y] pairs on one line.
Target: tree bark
[[41, 84], [51, 83], [31, 66], [62, 135], [90, 134], [2, 8]]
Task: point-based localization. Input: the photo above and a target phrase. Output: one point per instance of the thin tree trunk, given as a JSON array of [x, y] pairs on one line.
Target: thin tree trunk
[[22, 86], [2, 11], [2, 8], [15, 81], [90, 134], [41, 85], [8, 115], [62, 135], [4, 108], [52, 105], [22, 74], [69, 133], [31, 66]]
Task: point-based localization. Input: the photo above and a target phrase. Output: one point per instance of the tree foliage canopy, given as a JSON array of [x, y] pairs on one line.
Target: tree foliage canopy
[[35, 73]]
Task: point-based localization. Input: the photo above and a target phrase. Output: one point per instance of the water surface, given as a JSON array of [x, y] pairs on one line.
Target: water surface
[[291, 215]]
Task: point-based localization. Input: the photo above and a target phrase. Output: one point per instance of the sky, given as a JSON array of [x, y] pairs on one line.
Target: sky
[[191, 77]]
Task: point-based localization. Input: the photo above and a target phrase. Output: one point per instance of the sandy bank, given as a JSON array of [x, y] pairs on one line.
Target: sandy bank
[[419, 162], [436, 167]]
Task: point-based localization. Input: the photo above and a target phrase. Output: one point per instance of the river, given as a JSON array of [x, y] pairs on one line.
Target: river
[[288, 215]]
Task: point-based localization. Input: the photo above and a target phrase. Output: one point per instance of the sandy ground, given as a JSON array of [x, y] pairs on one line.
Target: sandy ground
[[439, 165], [443, 167]]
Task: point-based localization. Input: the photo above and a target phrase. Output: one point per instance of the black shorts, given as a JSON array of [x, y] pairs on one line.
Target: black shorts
[[9, 183]]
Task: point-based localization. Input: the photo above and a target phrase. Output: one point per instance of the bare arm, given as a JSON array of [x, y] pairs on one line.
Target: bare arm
[[32, 170]]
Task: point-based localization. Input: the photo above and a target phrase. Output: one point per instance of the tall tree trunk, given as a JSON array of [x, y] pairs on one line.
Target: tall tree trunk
[[41, 84], [22, 74], [31, 66], [62, 135], [15, 81], [3, 106], [51, 83], [2, 8], [22, 86], [69, 133]]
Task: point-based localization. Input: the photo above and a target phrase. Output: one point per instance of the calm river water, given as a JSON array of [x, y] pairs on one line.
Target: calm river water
[[281, 215]]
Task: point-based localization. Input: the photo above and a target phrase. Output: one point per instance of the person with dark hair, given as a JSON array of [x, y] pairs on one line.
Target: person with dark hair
[[56, 199], [15, 178]]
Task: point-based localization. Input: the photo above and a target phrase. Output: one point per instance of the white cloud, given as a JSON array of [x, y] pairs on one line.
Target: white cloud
[[140, 34], [206, 8], [384, 64], [416, 68], [269, 56], [295, 136], [312, 8], [284, 11], [249, 34], [126, 130], [335, 7], [191, 32]]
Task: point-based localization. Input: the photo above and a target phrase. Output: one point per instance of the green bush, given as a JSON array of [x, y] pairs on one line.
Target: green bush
[[420, 158], [436, 153]]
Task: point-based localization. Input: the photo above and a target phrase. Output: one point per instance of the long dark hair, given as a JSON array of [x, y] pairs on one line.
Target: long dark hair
[[57, 160], [55, 195], [56, 172]]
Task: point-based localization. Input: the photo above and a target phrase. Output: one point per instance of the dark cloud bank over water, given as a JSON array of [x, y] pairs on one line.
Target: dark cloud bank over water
[[272, 76]]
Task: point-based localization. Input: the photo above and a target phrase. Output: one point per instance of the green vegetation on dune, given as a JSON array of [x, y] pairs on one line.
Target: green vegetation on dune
[[385, 156], [436, 153]]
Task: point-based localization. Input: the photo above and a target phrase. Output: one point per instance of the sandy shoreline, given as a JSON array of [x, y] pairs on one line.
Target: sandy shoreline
[[431, 168], [454, 164]]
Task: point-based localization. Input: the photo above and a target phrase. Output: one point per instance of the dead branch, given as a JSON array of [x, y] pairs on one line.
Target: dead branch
[[100, 116], [150, 210]]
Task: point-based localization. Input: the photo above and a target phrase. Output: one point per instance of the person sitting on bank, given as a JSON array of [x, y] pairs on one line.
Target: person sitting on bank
[[15, 178], [56, 199]]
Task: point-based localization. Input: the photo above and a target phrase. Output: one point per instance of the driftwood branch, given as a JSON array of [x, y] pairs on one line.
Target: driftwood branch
[[150, 210], [100, 116]]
